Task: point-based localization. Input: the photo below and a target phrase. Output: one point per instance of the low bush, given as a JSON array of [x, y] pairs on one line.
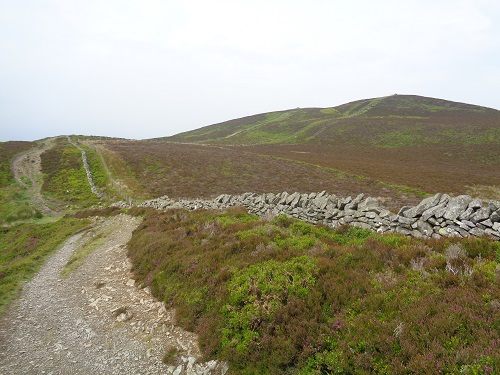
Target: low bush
[[283, 296]]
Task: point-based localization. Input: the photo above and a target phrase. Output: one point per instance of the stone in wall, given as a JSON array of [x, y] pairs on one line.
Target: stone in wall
[[436, 216]]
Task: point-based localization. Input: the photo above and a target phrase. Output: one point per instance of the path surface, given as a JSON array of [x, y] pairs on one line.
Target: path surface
[[95, 321], [27, 170]]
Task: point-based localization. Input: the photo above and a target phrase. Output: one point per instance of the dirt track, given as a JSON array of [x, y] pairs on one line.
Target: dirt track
[[27, 170], [95, 321]]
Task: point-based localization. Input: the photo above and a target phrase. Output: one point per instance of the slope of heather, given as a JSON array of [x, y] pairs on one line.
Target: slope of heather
[[426, 143], [183, 170], [280, 296]]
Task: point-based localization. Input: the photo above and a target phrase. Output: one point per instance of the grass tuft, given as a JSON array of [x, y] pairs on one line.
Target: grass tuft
[[170, 356]]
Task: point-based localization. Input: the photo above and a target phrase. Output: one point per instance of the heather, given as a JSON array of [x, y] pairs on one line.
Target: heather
[[278, 295]]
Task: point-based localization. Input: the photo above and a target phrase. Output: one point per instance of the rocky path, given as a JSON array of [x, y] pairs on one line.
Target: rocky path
[[27, 170], [95, 321]]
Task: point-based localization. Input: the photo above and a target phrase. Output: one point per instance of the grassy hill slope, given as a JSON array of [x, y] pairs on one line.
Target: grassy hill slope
[[393, 121], [426, 143]]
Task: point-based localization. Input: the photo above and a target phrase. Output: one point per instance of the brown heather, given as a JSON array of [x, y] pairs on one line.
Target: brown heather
[[184, 170]]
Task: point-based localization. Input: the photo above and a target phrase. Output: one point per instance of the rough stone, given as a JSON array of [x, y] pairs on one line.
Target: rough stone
[[291, 198], [403, 209], [406, 220], [353, 205], [423, 206], [403, 231], [487, 223], [470, 224], [456, 206], [368, 204], [476, 203], [360, 224], [457, 216], [432, 211], [494, 206], [439, 213], [342, 202], [492, 233], [424, 228], [321, 202], [444, 199], [481, 214], [477, 232], [466, 214], [462, 225]]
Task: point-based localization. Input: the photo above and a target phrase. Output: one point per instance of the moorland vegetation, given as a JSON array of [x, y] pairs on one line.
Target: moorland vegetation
[[278, 295], [275, 294], [429, 144]]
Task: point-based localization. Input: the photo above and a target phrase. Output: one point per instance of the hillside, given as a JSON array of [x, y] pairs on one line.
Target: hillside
[[180, 170], [429, 144], [260, 280], [387, 122]]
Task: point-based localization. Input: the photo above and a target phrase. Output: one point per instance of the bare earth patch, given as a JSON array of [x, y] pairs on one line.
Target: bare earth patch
[[96, 320]]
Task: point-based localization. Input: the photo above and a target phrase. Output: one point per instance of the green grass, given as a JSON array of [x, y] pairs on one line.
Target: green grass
[[25, 247], [285, 297], [99, 175], [16, 205], [65, 179], [330, 111], [170, 356], [15, 201], [8, 150]]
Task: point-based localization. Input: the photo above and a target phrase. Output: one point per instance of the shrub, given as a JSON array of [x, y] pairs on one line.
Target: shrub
[[287, 297]]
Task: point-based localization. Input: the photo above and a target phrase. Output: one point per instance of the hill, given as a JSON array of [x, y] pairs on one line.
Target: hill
[[180, 170], [388, 122], [270, 293], [429, 144]]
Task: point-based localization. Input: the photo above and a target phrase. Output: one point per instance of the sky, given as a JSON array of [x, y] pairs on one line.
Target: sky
[[140, 69]]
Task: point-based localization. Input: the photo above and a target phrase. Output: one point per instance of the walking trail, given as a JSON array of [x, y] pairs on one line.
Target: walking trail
[[27, 170], [96, 320]]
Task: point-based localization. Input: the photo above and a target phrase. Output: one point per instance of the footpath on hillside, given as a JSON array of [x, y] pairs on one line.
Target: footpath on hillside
[[27, 170], [96, 320]]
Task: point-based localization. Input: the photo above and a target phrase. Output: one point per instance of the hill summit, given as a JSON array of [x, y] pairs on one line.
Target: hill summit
[[391, 121]]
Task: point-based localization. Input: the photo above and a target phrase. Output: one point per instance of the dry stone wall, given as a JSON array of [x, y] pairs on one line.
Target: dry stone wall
[[93, 188], [436, 216]]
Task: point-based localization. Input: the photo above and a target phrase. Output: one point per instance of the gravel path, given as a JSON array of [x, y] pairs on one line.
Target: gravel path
[[95, 321]]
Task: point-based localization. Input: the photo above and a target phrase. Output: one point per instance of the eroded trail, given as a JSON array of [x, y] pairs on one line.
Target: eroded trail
[[95, 321], [27, 170]]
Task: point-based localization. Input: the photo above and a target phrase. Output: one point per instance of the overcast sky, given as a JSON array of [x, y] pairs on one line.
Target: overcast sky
[[150, 68]]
